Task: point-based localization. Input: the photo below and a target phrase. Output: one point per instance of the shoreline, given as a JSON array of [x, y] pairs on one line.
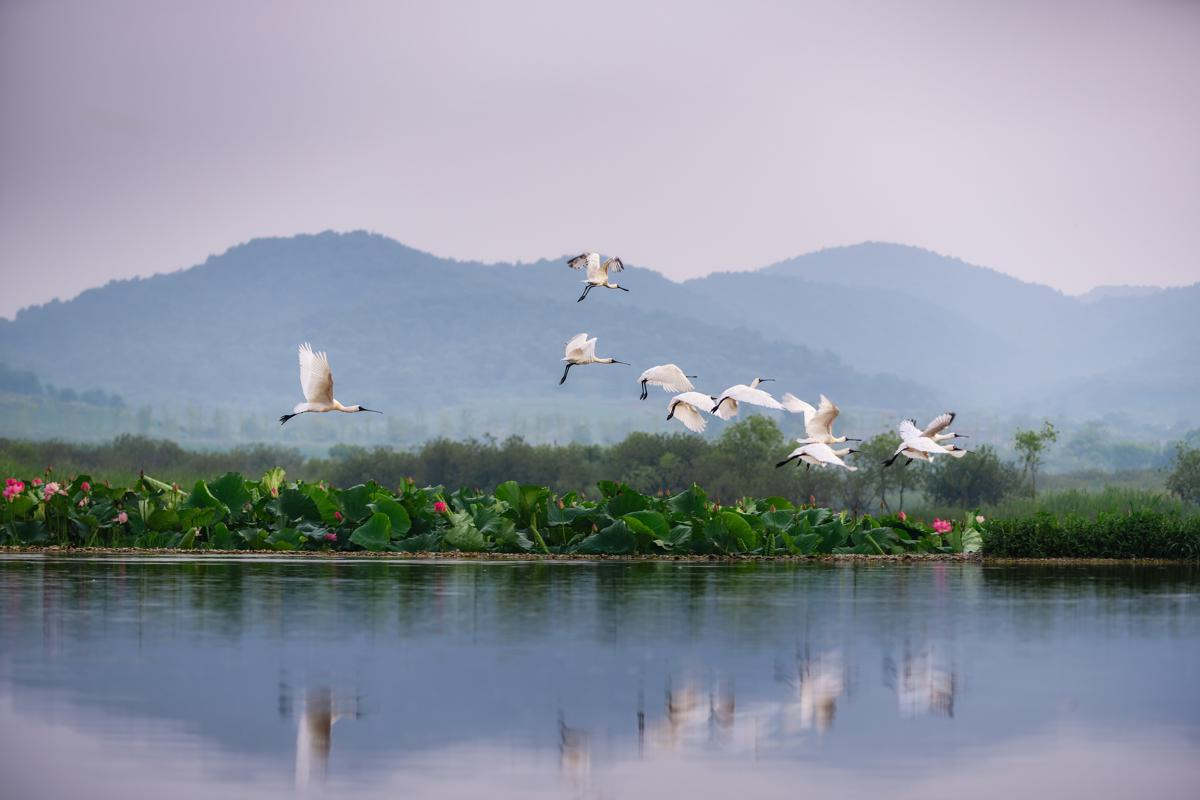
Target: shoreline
[[454, 556]]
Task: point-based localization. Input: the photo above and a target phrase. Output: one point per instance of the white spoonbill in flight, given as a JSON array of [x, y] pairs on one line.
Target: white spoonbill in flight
[[668, 376], [727, 404], [582, 350], [818, 422], [316, 381], [687, 408], [936, 430], [821, 455], [914, 444], [597, 273]]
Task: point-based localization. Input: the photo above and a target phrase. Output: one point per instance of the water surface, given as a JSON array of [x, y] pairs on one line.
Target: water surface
[[235, 678]]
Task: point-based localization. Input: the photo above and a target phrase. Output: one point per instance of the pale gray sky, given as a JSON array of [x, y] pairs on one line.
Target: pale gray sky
[[1055, 141]]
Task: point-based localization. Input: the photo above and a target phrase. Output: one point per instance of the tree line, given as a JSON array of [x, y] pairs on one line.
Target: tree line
[[740, 462]]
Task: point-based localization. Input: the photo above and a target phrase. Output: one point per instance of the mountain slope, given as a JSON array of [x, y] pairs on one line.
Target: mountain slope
[[409, 333]]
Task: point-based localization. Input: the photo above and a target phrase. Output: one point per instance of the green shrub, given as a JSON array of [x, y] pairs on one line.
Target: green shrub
[[1141, 534]]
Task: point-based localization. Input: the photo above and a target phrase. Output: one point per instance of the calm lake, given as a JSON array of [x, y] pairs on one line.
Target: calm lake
[[229, 677]]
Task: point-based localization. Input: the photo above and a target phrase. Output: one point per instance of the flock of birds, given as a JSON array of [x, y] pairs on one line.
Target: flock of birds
[[686, 405]]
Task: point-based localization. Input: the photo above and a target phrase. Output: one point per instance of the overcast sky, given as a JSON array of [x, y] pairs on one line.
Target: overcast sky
[[1055, 141]]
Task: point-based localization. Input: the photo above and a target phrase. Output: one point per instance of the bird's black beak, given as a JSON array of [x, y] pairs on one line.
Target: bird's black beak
[[848, 439], [691, 376], [764, 380], [364, 408], [961, 436], [851, 452], [626, 363]]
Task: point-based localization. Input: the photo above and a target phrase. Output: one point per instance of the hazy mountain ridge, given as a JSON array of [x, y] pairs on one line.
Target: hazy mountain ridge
[[881, 328], [404, 331]]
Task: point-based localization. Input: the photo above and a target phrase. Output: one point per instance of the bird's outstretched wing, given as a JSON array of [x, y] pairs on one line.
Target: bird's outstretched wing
[[316, 379], [939, 423], [614, 264], [923, 444], [576, 347], [908, 430], [687, 408], [589, 349], [821, 424], [669, 377], [579, 261], [755, 397], [796, 405]]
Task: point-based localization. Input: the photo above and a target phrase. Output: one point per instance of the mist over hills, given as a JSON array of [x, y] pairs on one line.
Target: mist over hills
[[884, 329]]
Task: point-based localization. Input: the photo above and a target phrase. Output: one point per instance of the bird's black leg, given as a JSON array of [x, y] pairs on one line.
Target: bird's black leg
[[285, 418], [807, 466], [586, 289], [565, 371], [907, 461], [644, 392]]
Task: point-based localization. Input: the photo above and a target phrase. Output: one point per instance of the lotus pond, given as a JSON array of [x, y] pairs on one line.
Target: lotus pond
[[228, 676], [234, 513]]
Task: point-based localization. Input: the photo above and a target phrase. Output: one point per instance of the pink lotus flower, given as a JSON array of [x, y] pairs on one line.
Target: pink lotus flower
[[85, 486], [122, 518], [274, 491], [337, 515], [942, 525], [49, 490], [37, 481], [902, 516], [331, 537], [12, 488], [9, 482], [440, 507]]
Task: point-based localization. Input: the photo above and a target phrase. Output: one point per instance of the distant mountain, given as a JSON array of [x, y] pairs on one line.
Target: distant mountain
[[415, 335], [985, 339], [467, 348], [1117, 293]]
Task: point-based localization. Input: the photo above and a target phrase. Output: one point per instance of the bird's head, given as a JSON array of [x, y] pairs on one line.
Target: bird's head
[[757, 381], [364, 408]]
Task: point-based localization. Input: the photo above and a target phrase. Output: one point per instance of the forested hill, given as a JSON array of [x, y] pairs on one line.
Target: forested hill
[[411, 333], [884, 329]]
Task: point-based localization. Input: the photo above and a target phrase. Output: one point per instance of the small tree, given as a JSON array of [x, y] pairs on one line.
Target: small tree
[[872, 454], [1184, 479], [1030, 445]]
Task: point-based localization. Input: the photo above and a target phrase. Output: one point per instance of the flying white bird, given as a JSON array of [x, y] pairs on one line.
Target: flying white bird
[[818, 422], [914, 444], [668, 376], [688, 407], [582, 350], [597, 274], [821, 455], [316, 381], [727, 404], [936, 429]]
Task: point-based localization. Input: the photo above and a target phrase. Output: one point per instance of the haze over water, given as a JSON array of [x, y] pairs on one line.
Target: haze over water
[[228, 677]]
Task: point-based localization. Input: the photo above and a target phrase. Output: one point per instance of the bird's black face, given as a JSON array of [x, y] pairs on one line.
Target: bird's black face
[[765, 380], [361, 407], [852, 452]]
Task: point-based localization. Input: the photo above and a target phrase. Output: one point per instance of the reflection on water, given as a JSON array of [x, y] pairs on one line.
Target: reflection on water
[[234, 677]]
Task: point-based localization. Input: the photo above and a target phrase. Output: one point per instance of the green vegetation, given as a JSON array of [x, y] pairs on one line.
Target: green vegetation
[[1185, 474], [233, 513], [1031, 446], [1141, 534]]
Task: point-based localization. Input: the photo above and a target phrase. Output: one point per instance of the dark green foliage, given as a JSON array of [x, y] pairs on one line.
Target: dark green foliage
[[978, 477], [1142, 534], [1185, 474], [271, 513]]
